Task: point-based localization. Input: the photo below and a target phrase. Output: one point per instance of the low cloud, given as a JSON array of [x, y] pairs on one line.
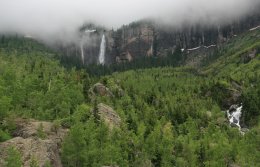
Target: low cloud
[[46, 19]]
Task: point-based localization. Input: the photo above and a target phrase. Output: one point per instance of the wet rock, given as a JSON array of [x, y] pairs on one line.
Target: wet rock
[[235, 121], [234, 96], [233, 108]]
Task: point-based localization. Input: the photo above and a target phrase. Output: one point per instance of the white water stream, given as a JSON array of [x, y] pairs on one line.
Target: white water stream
[[102, 52]]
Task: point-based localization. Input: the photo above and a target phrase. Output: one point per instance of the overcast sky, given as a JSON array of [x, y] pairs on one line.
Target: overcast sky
[[44, 17]]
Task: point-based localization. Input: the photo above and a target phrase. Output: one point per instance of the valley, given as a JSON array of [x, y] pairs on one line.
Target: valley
[[130, 83], [156, 116]]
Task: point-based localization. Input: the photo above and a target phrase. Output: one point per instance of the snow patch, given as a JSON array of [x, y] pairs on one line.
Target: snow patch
[[196, 48], [90, 31], [252, 29], [209, 46]]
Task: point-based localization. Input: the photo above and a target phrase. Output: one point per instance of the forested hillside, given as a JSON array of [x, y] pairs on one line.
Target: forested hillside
[[33, 84], [162, 115]]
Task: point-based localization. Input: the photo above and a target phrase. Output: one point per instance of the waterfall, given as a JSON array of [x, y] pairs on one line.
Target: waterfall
[[152, 49], [82, 52], [234, 113], [84, 40], [102, 52]]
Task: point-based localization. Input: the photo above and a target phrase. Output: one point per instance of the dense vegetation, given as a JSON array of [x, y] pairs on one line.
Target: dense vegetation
[[33, 84], [170, 116]]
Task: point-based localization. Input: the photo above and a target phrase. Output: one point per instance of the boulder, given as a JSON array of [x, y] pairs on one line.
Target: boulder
[[110, 117], [100, 90], [32, 146], [247, 57]]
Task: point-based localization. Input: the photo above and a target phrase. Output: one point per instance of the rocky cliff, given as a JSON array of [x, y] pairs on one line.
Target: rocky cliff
[[35, 140], [146, 38]]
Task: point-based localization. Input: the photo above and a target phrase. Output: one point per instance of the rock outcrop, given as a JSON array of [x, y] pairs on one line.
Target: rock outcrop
[[248, 56], [36, 140], [100, 90], [110, 117], [145, 38]]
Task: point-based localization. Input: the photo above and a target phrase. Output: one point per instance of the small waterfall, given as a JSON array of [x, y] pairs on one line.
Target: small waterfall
[[234, 114], [152, 49], [102, 51], [82, 52], [85, 39]]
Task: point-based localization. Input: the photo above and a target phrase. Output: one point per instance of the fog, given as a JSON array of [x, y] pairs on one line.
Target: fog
[[61, 18]]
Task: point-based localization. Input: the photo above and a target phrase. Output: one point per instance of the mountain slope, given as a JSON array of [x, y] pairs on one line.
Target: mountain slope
[[168, 116], [173, 116]]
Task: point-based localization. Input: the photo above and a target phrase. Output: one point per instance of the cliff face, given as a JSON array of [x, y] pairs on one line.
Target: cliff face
[[133, 41], [145, 38], [87, 48], [35, 140]]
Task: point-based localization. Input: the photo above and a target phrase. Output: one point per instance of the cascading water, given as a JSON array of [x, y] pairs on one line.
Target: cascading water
[[152, 48], [82, 52], [85, 39], [234, 113], [102, 52]]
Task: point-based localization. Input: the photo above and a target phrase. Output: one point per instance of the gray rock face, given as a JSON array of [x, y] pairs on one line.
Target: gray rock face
[[145, 38], [247, 57], [110, 117], [100, 90], [30, 145]]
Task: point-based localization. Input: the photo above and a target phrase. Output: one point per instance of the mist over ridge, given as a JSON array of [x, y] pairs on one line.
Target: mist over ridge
[[60, 19]]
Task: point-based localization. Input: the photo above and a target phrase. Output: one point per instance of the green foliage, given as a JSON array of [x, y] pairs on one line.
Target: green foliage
[[33, 162], [47, 164], [33, 84], [5, 104], [40, 133], [251, 102], [4, 136], [169, 116], [13, 158]]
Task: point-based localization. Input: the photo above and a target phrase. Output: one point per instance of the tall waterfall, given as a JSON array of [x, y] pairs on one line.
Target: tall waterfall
[[102, 51], [82, 52]]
